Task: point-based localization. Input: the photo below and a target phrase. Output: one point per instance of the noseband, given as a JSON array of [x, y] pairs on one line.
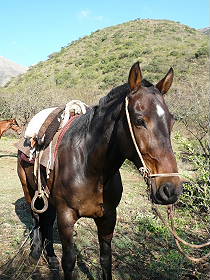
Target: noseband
[[144, 170]]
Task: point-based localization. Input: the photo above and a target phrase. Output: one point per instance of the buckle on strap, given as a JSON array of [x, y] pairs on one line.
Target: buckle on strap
[[145, 172]]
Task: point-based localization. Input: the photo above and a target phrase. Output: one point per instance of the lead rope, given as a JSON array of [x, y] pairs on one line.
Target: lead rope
[[179, 240], [145, 172]]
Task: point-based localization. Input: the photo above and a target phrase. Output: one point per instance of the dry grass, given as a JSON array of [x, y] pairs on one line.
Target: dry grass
[[142, 247]]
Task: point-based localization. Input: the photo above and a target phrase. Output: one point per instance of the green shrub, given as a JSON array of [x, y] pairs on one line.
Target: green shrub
[[203, 51], [62, 77], [196, 194], [174, 53]]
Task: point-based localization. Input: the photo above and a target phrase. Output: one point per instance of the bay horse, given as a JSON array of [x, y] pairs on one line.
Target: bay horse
[[9, 124], [86, 182]]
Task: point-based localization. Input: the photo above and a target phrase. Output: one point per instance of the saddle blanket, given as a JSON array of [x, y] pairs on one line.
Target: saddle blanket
[[50, 152], [33, 128], [47, 129]]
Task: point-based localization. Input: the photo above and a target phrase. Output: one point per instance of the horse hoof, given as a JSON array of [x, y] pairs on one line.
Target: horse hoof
[[53, 262]]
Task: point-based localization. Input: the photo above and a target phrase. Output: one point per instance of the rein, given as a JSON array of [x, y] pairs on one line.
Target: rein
[[147, 175], [179, 240]]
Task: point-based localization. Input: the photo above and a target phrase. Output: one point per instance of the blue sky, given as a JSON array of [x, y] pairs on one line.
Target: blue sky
[[31, 30]]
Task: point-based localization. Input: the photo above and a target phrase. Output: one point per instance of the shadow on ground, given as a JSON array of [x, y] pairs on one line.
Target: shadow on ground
[[9, 155], [140, 252]]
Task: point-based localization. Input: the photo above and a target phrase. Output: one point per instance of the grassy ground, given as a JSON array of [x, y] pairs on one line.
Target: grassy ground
[[143, 249]]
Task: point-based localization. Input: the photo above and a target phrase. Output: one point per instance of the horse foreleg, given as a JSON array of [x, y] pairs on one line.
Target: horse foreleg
[[36, 241], [46, 222], [105, 226], [42, 237], [66, 220]]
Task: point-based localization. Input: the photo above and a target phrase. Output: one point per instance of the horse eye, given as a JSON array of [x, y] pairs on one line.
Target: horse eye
[[140, 122]]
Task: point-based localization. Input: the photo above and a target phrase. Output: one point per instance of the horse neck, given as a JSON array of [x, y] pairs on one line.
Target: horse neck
[[120, 147], [108, 150], [4, 126]]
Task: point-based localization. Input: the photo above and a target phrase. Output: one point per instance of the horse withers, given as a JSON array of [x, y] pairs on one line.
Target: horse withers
[[9, 124], [86, 182]]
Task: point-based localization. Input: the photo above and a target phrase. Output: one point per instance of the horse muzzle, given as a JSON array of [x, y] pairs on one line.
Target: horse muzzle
[[167, 193]]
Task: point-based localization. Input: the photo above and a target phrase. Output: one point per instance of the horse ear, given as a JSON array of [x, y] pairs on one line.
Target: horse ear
[[135, 76], [165, 84]]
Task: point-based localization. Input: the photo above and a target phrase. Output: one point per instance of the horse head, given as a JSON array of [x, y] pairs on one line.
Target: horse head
[[152, 123], [14, 126]]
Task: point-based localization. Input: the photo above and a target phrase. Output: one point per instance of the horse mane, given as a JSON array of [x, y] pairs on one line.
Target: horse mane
[[111, 103], [119, 92]]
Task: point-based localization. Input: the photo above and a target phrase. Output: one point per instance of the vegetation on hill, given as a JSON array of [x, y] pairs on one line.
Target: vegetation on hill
[[102, 59], [89, 67]]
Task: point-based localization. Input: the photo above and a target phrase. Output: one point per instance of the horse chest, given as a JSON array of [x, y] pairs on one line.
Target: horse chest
[[88, 200]]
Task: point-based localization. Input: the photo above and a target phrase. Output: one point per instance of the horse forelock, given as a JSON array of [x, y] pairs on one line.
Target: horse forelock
[[146, 83]]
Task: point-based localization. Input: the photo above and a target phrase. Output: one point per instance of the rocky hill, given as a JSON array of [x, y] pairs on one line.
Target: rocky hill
[[9, 69], [205, 30]]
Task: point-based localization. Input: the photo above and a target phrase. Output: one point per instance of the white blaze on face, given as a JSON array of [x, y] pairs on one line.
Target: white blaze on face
[[160, 110]]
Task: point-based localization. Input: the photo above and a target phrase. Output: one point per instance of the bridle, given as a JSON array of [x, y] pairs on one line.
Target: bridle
[[147, 175], [144, 170]]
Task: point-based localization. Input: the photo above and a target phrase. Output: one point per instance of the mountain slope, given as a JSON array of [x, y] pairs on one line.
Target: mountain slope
[[88, 68], [103, 59], [9, 69]]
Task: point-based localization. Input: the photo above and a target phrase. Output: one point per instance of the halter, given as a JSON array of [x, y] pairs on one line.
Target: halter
[[144, 170]]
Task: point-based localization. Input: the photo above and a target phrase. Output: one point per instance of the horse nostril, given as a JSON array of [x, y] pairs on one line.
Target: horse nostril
[[166, 190], [167, 193]]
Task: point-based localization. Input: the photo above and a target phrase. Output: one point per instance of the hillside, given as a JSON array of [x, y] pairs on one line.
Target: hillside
[[87, 68], [104, 57], [9, 69]]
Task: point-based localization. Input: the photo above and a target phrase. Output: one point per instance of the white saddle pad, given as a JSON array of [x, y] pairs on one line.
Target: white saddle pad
[[36, 122]]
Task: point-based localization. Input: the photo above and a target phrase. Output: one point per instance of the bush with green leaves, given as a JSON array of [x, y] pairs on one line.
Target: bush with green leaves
[[196, 194]]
